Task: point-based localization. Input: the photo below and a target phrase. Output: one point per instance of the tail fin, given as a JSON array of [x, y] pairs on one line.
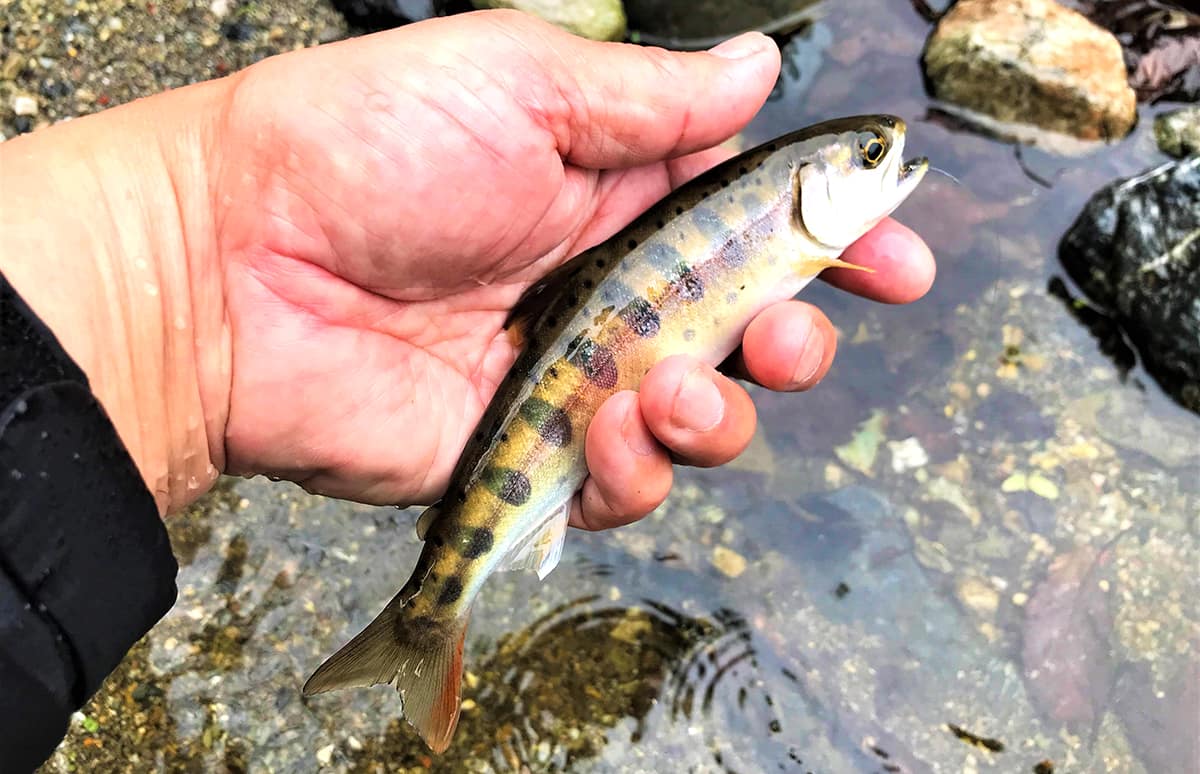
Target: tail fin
[[421, 658]]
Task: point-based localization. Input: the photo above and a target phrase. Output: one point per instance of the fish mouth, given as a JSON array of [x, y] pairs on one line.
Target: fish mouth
[[914, 168]]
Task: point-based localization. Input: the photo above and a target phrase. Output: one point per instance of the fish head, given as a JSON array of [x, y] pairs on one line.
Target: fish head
[[848, 175]]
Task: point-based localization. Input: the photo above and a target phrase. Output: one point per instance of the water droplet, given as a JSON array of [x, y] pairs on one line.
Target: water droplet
[[151, 288], [45, 435], [141, 264], [20, 407], [16, 474], [193, 483], [180, 322]]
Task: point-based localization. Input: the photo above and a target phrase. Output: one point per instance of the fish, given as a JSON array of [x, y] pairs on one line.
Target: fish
[[685, 277]]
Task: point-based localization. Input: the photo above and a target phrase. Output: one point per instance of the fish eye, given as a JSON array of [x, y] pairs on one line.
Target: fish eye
[[871, 147]]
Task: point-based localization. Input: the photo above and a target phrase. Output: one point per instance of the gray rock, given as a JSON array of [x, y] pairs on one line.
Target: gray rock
[[1033, 62], [1178, 132], [1135, 250], [701, 24], [595, 19]]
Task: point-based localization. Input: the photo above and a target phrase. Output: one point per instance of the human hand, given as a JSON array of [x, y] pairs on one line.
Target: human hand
[[370, 210]]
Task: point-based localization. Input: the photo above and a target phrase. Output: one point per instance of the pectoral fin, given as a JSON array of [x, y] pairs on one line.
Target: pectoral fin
[[541, 548]]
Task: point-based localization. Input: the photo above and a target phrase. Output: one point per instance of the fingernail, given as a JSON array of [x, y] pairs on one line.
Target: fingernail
[[633, 430], [698, 404], [744, 45], [812, 352]]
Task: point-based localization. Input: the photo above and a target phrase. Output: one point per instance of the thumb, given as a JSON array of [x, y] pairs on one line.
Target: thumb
[[611, 105]]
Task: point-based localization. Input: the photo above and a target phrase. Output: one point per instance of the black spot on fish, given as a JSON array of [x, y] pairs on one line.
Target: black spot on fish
[[639, 315], [551, 321], [689, 286], [678, 210], [588, 284], [504, 438], [742, 170], [632, 244], [511, 486], [553, 372], [550, 421], [599, 263], [660, 223], [451, 590], [724, 183], [597, 364], [477, 543]]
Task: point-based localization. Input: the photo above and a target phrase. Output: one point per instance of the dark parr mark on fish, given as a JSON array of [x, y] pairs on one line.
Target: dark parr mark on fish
[[511, 486], [597, 364], [550, 422], [478, 542], [662, 256], [451, 591], [640, 316], [709, 223], [689, 286]]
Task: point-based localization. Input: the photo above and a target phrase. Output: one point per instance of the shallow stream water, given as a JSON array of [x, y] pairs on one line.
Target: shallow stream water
[[973, 547]]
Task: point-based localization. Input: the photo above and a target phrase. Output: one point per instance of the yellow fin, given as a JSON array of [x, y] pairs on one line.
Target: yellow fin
[[811, 266]]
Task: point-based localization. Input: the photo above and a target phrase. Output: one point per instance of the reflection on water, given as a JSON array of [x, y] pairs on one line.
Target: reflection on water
[[561, 685]]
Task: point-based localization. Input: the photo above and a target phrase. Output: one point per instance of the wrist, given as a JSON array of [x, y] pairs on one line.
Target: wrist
[[108, 235]]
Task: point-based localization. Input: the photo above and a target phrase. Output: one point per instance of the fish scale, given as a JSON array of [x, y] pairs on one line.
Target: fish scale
[[685, 277]]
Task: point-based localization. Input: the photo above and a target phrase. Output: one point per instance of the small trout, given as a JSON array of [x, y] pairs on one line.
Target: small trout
[[686, 277]]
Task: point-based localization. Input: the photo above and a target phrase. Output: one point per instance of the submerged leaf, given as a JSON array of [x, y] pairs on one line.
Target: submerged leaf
[[1066, 652]]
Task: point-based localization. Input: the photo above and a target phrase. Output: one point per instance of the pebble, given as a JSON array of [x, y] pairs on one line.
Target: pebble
[[729, 562], [325, 755], [907, 454], [25, 105], [978, 595]]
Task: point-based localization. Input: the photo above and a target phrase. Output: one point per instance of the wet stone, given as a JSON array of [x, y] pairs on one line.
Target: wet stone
[[1135, 252], [1032, 62]]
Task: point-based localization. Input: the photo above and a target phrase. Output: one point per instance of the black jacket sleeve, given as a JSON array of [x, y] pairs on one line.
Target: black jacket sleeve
[[85, 564]]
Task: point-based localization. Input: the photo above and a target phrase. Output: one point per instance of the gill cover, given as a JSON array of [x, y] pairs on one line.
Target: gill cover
[[854, 181]]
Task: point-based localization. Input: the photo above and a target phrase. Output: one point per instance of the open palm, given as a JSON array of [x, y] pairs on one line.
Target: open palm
[[381, 203]]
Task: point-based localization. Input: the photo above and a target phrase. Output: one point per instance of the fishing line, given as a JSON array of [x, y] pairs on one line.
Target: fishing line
[[947, 174]]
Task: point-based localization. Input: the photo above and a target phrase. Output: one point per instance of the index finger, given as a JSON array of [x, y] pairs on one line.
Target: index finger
[[903, 264]]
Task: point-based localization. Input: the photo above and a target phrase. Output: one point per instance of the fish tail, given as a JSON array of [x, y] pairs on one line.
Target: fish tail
[[418, 656]]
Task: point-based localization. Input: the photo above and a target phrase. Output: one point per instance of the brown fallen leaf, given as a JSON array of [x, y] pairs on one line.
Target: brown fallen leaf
[[1066, 651]]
